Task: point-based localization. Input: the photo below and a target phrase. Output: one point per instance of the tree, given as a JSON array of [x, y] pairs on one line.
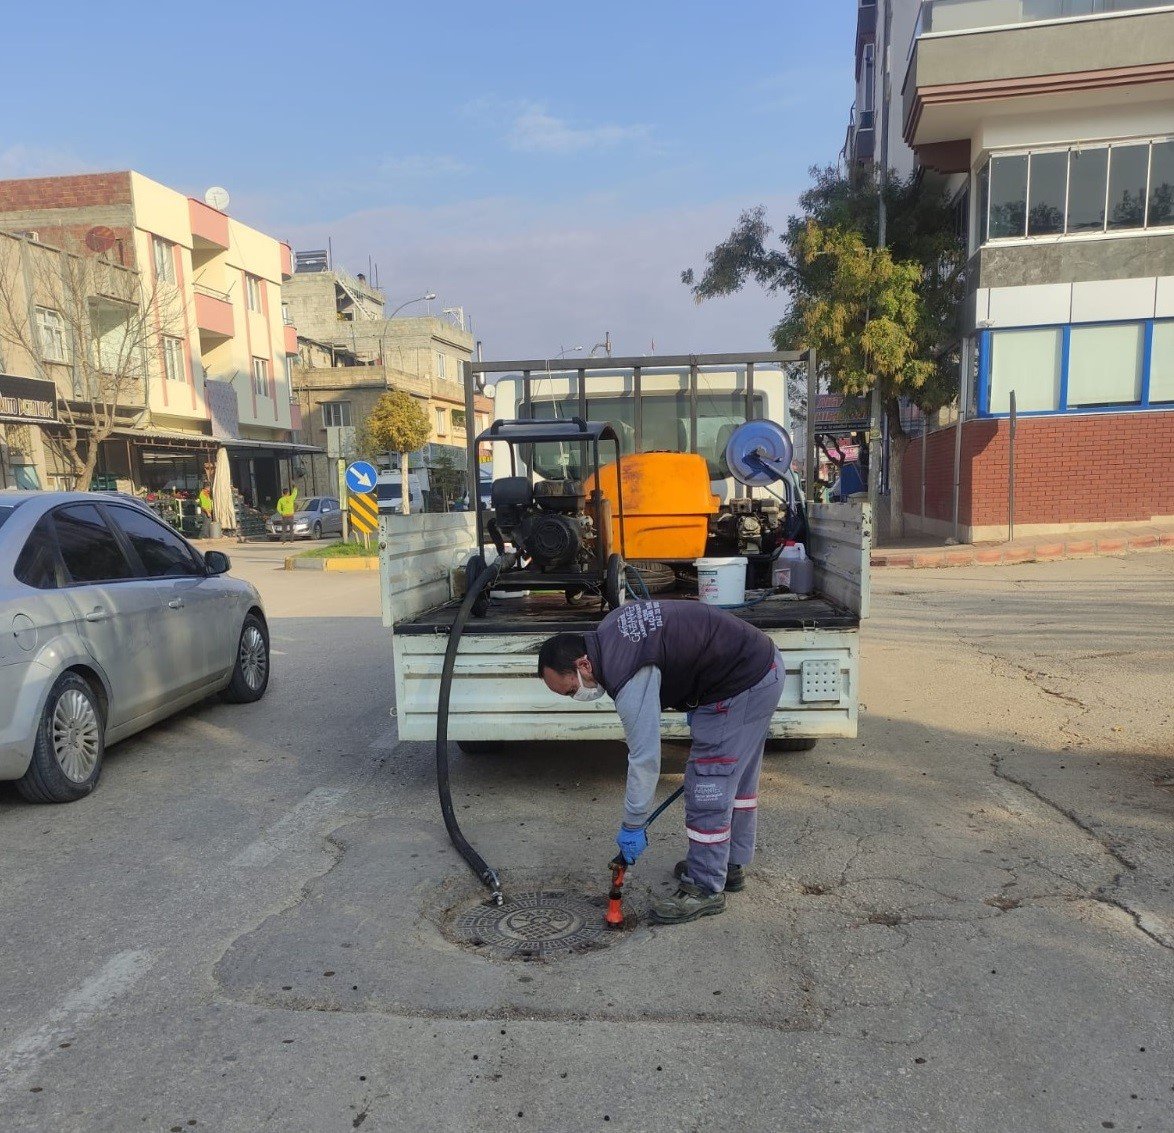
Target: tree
[[820, 274], [90, 326], [397, 424]]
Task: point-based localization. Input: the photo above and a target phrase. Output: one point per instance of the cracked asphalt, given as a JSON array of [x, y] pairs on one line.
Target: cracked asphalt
[[962, 920]]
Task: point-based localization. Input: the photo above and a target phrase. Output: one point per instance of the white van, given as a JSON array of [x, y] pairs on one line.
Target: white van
[[389, 490]]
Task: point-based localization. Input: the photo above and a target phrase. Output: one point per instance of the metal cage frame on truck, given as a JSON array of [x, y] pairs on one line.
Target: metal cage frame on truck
[[536, 369]]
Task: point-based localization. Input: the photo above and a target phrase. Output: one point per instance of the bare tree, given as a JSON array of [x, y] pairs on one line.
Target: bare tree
[[95, 329]]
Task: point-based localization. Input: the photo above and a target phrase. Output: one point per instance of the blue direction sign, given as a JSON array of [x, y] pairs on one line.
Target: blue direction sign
[[361, 477]]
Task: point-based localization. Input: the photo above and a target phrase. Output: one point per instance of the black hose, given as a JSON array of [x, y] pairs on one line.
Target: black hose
[[476, 862]]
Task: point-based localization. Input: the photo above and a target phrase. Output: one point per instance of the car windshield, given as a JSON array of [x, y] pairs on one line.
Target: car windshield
[[310, 505]]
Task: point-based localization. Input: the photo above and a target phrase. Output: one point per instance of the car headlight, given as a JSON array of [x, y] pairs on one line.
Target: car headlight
[[301, 525]]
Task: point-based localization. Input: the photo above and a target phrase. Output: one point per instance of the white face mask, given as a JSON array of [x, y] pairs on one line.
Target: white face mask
[[584, 693]]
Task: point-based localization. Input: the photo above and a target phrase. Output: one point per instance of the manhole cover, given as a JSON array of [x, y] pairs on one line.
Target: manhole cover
[[534, 925]]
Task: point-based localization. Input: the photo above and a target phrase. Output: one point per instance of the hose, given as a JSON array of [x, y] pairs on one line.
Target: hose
[[476, 862]]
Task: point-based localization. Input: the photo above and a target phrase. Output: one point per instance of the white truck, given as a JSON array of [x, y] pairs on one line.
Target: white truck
[[688, 404]]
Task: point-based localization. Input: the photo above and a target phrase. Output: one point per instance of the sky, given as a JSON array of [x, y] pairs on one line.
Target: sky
[[549, 167]]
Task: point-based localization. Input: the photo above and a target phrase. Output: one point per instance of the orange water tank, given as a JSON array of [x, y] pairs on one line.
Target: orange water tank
[[667, 505]]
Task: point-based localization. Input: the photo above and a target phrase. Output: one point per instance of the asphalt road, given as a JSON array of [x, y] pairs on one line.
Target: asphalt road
[[963, 920]]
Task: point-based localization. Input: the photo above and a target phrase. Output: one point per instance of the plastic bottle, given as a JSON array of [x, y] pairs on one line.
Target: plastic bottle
[[792, 569]]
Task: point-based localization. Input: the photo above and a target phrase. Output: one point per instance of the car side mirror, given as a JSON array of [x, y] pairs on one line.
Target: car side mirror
[[216, 562]]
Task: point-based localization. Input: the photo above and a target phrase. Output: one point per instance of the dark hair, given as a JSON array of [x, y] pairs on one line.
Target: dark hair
[[559, 653]]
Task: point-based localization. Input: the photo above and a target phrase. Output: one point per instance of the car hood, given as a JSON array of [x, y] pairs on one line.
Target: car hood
[[296, 515]]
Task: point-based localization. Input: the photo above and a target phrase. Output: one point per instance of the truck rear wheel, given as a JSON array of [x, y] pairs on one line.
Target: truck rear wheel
[[615, 587], [791, 745]]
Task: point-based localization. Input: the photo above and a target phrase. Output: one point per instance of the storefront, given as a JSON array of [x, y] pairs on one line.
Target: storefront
[[25, 405]]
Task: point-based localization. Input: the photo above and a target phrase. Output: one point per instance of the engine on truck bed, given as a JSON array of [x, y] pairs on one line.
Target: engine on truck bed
[[547, 522]]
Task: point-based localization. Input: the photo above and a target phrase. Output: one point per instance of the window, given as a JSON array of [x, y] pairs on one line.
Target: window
[[440, 363], [51, 333], [1074, 191], [1049, 187], [88, 547], [440, 421], [1105, 365], [1128, 169], [261, 377], [1028, 362], [163, 553], [1161, 202], [36, 565], [163, 254], [1162, 364], [868, 103], [173, 360], [458, 419], [336, 414], [1088, 170], [253, 292], [1008, 196]]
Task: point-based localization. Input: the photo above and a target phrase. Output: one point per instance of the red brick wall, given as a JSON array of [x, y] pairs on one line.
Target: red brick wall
[[38, 195], [1076, 468], [65, 192]]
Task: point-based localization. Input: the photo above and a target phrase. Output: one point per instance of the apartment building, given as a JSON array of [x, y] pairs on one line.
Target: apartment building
[[351, 354], [218, 372], [1052, 121]]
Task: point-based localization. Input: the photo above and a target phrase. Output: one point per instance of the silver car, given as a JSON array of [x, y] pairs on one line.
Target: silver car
[[109, 621], [318, 516]]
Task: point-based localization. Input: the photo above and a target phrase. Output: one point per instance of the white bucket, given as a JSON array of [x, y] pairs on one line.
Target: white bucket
[[721, 582]]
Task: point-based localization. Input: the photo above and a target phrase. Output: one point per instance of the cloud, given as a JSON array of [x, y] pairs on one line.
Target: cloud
[[536, 131], [423, 165], [535, 277], [529, 127], [21, 160]]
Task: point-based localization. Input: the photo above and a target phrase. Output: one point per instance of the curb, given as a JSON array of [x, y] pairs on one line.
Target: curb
[[351, 563], [1013, 554]]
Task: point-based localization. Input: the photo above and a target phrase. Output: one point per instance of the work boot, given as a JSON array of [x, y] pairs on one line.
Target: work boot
[[735, 876], [687, 904]]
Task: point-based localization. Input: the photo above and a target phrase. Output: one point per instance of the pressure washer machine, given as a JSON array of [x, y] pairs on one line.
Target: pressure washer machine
[[560, 533]]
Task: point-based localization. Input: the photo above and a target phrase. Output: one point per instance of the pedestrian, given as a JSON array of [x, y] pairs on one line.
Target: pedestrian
[[286, 506], [204, 504], [728, 676]]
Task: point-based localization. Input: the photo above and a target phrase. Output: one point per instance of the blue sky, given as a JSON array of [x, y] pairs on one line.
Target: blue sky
[[549, 167]]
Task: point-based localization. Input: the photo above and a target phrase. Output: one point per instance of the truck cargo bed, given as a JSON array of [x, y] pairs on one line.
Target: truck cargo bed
[[551, 614]]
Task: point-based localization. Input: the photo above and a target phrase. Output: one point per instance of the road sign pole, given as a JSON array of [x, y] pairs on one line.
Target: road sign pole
[[342, 497]]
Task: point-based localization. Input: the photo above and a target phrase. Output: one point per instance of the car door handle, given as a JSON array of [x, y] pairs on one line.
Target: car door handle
[[176, 604], [97, 614]]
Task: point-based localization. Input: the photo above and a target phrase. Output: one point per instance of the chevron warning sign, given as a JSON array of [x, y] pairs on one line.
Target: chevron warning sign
[[364, 511]]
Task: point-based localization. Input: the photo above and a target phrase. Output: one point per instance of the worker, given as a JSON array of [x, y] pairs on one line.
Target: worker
[[286, 506], [727, 676], [204, 503]]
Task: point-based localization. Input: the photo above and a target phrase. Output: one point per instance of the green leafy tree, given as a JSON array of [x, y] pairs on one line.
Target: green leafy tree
[[833, 289], [397, 423]]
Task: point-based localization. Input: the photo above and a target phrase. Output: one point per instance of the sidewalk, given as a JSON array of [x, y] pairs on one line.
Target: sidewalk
[[921, 552]]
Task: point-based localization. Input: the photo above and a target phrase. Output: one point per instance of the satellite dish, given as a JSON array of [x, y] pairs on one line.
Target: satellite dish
[[100, 238], [759, 453], [217, 198]]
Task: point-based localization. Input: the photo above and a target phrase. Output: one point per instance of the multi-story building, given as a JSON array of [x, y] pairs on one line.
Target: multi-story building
[[350, 354], [1053, 121], [218, 372]]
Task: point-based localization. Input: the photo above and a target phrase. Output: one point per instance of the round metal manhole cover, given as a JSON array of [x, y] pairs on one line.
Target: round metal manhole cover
[[534, 925]]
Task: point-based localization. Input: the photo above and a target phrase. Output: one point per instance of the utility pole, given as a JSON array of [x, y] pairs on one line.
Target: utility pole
[[875, 453]]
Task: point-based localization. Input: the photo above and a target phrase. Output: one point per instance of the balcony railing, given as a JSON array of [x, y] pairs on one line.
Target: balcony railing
[[945, 16]]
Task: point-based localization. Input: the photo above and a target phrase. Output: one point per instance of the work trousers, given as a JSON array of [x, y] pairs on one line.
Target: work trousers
[[721, 779]]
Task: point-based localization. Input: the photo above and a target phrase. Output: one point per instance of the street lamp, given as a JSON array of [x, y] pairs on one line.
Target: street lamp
[[566, 350], [428, 297]]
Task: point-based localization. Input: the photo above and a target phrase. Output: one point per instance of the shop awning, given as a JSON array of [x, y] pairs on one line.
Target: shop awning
[[168, 437]]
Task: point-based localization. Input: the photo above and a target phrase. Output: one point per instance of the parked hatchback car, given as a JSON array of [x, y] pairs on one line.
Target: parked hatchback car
[[318, 516], [111, 621]]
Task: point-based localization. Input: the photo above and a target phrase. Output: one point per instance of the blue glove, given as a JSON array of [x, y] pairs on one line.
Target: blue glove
[[632, 843]]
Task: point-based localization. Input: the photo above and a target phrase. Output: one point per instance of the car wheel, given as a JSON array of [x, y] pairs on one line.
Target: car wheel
[[250, 674], [317, 531], [70, 743]]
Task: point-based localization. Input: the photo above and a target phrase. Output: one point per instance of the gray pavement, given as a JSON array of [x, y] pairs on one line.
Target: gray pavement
[[963, 920]]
